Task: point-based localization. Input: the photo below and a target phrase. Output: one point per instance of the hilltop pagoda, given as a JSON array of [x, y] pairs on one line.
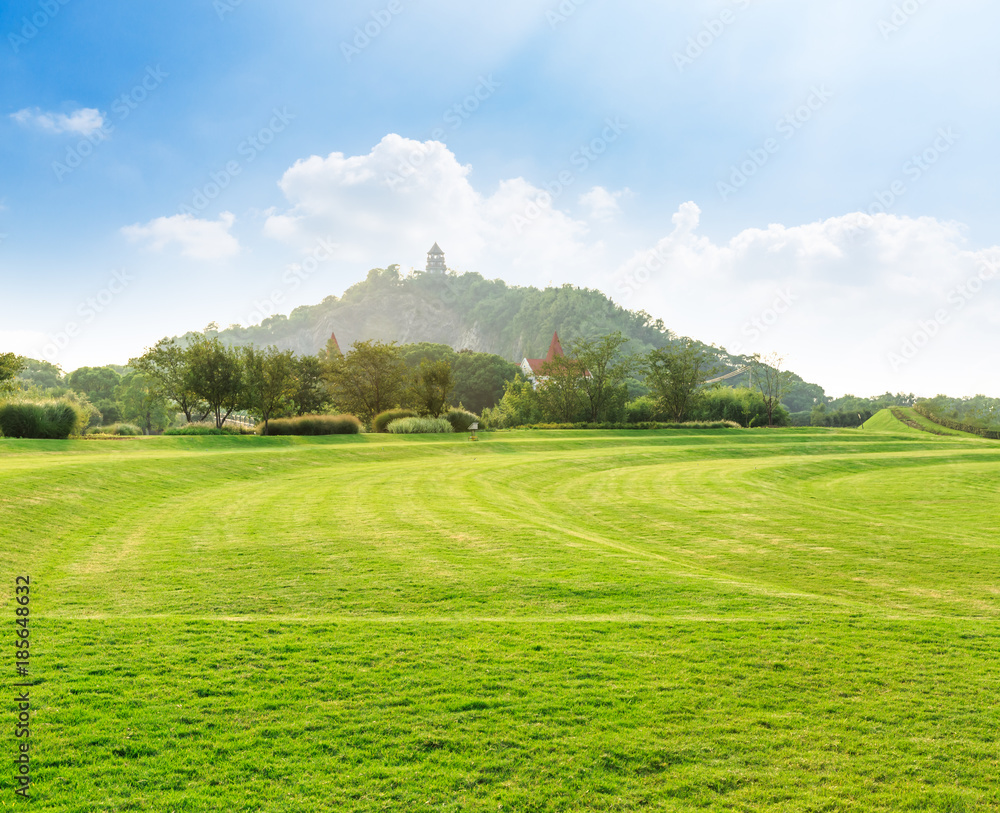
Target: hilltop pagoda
[[435, 260]]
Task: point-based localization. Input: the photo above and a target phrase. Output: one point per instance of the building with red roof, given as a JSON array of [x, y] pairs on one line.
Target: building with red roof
[[532, 368]]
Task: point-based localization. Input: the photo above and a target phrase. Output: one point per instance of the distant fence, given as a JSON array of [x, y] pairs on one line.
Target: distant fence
[[241, 419]]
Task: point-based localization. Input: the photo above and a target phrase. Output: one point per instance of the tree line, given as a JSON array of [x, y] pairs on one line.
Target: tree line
[[200, 378], [599, 381], [596, 381]]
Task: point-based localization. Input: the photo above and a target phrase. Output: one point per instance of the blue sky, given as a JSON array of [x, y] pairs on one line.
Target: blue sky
[[812, 179]]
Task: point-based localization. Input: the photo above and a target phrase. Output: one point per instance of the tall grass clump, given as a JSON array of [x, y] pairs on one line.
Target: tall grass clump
[[643, 409], [313, 425], [461, 419], [206, 428], [121, 429], [49, 420], [419, 426], [383, 419]]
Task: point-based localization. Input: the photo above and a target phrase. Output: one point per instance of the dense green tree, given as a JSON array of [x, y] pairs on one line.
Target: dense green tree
[[607, 367], [311, 396], [674, 375], [97, 383], [432, 387], [560, 390], [111, 410], [416, 353], [142, 402], [370, 379], [41, 374], [480, 379], [269, 381], [10, 365], [168, 365], [518, 406], [215, 375], [800, 395]]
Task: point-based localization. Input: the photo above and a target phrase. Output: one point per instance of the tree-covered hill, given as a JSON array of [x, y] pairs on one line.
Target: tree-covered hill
[[464, 311]]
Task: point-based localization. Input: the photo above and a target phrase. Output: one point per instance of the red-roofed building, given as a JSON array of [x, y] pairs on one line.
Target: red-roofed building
[[531, 368], [332, 348]]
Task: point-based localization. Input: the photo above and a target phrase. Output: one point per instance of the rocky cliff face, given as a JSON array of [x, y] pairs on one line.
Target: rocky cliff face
[[401, 319]]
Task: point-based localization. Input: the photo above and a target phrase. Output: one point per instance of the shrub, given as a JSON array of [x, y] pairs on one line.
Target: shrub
[[383, 419], [419, 426], [123, 429], [313, 425], [801, 418], [461, 419], [492, 418], [642, 410], [52, 420], [206, 428], [744, 406]]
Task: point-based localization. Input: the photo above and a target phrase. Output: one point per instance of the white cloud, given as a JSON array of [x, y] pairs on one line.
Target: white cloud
[[602, 203], [856, 303], [199, 239], [390, 205], [85, 121], [840, 297]]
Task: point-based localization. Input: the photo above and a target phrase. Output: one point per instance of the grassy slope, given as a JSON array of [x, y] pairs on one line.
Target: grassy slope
[[885, 421], [912, 414], [543, 621]]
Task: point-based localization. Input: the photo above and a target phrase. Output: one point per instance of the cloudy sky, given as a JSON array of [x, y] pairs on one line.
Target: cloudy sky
[[816, 179]]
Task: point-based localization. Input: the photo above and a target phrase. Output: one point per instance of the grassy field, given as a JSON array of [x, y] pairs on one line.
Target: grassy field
[[796, 620]]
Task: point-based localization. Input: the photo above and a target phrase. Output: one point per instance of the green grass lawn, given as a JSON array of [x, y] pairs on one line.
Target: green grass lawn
[[798, 620]]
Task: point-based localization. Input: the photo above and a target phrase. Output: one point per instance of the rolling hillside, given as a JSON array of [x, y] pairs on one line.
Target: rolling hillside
[[885, 421], [464, 311]]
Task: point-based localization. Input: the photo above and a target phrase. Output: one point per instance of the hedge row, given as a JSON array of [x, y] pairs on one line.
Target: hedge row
[[313, 425], [642, 425], [948, 423]]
